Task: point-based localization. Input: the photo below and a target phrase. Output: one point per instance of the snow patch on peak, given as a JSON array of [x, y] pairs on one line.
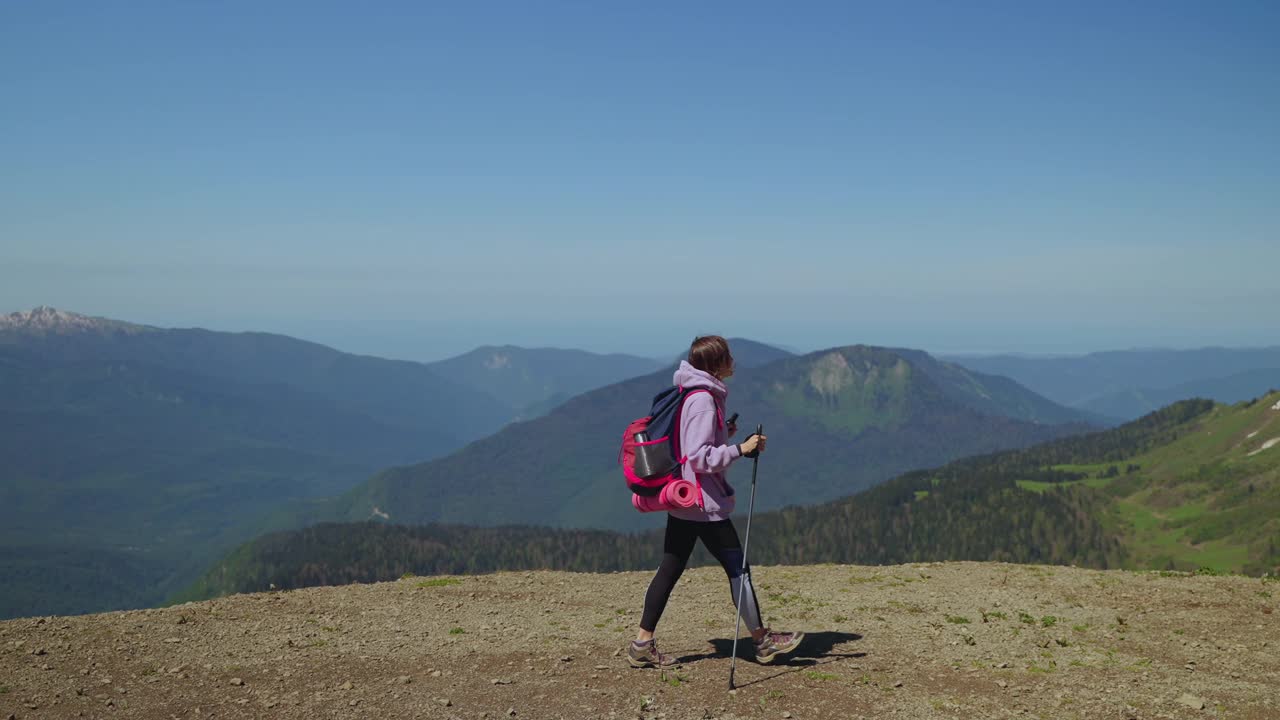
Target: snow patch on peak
[[45, 319]]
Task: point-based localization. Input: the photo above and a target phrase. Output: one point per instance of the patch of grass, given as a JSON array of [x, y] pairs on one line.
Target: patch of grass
[[859, 580], [997, 615], [439, 582], [1049, 621], [319, 643], [1179, 631], [1028, 619], [407, 575], [957, 620], [457, 631], [770, 696], [675, 679], [1080, 628], [1046, 669], [601, 625], [1037, 486], [1076, 663], [620, 611], [1104, 582], [840, 618], [4, 690], [815, 675]]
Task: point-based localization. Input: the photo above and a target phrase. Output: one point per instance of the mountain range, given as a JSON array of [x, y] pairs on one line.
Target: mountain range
[[839, 420], [1194, 487], [1125, 384], [532, 381], [133, 455]]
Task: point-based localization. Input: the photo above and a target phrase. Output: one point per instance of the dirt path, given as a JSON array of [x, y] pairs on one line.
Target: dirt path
[[903, 641]]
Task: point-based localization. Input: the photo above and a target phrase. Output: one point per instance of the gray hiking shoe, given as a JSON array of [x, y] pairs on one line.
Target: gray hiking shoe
[[646, 655], [774, 644]]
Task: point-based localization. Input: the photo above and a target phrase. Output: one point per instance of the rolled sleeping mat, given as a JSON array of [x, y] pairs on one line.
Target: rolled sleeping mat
[[676, 495], [680, 493]]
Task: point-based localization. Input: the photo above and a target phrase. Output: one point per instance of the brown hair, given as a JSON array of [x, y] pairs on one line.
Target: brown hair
[[710, 354]]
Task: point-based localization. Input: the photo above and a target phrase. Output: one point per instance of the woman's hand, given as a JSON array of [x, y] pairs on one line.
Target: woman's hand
[[752, 446]]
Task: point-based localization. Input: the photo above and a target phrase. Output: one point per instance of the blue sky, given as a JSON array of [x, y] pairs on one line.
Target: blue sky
[[415, 179]]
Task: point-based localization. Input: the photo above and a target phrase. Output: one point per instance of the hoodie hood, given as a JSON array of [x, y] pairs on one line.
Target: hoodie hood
[[691, 377]]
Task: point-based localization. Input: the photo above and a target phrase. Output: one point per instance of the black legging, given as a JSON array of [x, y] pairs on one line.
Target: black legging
[[721, 539]]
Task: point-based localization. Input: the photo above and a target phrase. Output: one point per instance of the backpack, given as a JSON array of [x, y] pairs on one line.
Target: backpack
[[649, 465]]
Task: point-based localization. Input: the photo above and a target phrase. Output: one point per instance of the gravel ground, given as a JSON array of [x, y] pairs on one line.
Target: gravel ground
[[934, 640]]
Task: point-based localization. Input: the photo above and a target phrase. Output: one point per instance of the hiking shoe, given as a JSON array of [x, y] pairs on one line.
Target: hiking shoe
[[646, 655], [774, 644]]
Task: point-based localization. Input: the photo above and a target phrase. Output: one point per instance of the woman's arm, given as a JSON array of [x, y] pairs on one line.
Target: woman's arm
[[698, 423]]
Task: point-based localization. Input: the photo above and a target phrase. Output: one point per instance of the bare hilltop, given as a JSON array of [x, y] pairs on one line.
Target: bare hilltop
[[930, 640]]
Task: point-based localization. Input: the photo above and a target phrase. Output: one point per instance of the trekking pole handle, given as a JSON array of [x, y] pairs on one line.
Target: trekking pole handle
[[755, 454]]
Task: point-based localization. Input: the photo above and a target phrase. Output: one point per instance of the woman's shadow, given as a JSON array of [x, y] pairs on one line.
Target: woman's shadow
[[813, 649]]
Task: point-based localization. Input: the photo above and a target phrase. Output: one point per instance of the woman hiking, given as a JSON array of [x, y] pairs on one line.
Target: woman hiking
[[704, 438]]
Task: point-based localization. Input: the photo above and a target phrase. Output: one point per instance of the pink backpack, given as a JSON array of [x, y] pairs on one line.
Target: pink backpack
[[653, 459]]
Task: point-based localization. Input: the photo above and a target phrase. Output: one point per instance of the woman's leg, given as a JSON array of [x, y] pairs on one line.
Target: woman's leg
[[721, 538], [677, 546]]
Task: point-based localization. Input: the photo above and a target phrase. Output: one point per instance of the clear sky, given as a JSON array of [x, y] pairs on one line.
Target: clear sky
[[414, 179]]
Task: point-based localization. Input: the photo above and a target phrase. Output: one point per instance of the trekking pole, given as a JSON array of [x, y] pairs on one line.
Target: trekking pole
[[746, 573]]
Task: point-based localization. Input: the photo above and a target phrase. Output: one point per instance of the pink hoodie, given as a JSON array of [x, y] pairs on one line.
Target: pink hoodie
[[704, 440]]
